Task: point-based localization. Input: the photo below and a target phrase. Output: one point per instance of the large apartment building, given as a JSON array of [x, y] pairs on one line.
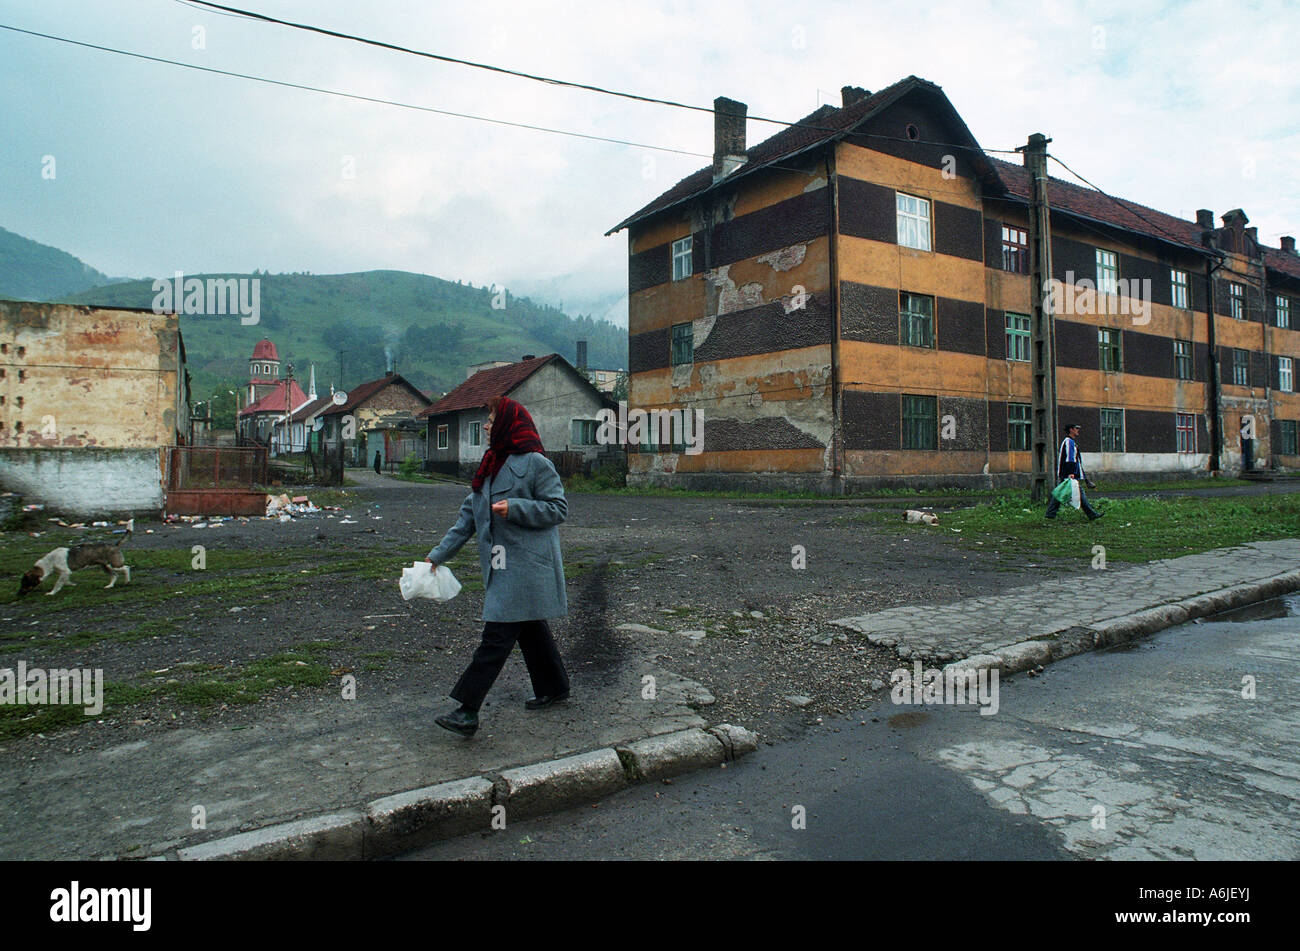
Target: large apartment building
[[848, 303]]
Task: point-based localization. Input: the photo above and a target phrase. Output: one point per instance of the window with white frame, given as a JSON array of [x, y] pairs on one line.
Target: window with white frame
[[1178, 289], [1107, 272], [1015, 250], [1237, 300], [681, 258], [1285, 379], [1185, 424], [1018, 337], [1283, 311], [913, 222], [476, 434], [442, 437]]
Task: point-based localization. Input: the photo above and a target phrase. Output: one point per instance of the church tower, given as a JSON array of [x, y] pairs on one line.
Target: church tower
[[263, 370]]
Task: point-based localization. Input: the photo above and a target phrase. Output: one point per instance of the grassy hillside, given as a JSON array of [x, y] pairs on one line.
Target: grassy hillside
[[433, 328], [32, 271]]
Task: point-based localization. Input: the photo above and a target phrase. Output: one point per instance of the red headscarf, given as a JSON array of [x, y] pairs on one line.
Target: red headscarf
[[513, 431]]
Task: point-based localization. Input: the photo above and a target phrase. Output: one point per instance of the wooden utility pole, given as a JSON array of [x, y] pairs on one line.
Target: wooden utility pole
[[1043, 333]]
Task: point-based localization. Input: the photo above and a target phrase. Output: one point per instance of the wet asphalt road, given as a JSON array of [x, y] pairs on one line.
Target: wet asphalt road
[[1146, 752]]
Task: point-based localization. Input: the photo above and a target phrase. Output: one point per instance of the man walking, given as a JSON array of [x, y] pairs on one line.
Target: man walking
[[1069, 465]]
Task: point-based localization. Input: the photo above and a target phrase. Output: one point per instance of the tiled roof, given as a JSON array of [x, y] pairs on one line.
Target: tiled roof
[[1283, 261], [274, 402], [265, 350], [485, 384], [1088, 203], [311, 409], [823, 125], [364, 391]]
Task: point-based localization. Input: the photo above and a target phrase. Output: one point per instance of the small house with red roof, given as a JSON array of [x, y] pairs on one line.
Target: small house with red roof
[[563, 403], [378, 416]]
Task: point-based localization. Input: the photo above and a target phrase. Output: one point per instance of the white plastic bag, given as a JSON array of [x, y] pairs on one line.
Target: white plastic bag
[[1075, 491], [419, 582]]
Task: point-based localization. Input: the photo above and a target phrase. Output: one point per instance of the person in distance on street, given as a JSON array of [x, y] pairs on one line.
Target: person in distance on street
[[1069, 465], [515, 504]]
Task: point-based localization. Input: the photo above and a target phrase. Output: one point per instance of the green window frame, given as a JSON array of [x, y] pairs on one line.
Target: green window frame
[[920, 422], [1018, 337], [1283, 319], [915, 320], [584, 431], [1107, 272], [1286, 432], [683, 343], [1183, 359], [1112, 430], [1019, 427], [1240, 368], [1110, 356]]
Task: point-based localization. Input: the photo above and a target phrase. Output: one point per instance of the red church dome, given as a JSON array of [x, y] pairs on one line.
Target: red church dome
[[265, 350]]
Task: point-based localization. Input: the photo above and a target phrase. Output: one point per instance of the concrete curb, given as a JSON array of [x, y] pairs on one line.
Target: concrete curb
[[407, 820], [1118, 630]]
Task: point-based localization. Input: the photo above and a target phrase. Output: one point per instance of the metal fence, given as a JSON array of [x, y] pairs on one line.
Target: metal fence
[[215, 467]]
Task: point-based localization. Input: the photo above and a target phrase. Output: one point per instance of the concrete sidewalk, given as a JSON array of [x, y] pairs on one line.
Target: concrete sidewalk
[[312, 757], [1039, 623]]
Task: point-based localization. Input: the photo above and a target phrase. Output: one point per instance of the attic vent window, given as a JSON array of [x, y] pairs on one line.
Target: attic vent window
[[913, 133]]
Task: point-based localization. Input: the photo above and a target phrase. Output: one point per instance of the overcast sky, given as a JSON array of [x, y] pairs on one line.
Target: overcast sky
[[158, 168]]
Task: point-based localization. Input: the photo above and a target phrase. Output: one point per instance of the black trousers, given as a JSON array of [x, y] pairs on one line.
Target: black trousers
[[545, 667]]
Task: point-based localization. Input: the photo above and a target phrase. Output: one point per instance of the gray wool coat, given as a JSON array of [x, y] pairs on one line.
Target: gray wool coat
[[527, 582]]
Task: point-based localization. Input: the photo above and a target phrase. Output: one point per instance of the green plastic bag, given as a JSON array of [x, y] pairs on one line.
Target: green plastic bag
[[1062, 492]]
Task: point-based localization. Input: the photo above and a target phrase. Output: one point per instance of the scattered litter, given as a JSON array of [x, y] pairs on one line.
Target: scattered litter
[[347, 521], [286, 508], [34, 507], [915, 515], [99, 524]]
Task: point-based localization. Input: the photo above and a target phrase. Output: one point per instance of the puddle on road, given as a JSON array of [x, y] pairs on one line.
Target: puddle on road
[[1288, 606]]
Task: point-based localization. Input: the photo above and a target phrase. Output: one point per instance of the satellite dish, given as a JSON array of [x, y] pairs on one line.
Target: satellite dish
[[340, 397]]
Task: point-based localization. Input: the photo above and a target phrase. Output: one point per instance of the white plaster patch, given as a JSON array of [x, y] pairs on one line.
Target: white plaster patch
[[785, 258]]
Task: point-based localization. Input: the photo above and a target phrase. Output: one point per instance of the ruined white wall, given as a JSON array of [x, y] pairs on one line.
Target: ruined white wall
[[85, 482]]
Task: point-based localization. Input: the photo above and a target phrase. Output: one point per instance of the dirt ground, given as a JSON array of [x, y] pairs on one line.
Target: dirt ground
[[322, 590]]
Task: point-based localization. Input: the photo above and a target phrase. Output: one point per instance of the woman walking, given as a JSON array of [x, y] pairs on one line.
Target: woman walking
[[516, 500]]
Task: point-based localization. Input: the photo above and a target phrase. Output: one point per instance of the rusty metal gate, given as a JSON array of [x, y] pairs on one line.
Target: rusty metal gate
[[215, 480]]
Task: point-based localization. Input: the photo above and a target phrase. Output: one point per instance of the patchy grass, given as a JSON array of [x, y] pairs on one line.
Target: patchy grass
[[195, 685], [1145, 528]]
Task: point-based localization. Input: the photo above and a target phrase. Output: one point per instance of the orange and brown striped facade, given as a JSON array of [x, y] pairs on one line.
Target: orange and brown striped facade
[[826, 353]]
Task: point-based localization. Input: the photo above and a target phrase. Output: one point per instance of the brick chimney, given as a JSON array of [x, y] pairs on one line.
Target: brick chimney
[[1235, 219], [1288, 244], [728, 136], [852, 94], [1205, 218]]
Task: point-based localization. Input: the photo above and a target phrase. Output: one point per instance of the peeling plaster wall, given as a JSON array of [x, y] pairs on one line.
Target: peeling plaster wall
[[80, 377]]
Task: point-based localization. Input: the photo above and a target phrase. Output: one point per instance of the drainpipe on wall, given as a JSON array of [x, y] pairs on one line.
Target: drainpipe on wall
[[1215, 423], [833, 250]]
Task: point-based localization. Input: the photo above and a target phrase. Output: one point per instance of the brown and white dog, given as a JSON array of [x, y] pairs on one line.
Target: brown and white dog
[[64, 561]]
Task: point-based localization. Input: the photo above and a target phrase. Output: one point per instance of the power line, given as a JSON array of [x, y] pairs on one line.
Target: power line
[[549, 80], [1121, 204], [348, 95]]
